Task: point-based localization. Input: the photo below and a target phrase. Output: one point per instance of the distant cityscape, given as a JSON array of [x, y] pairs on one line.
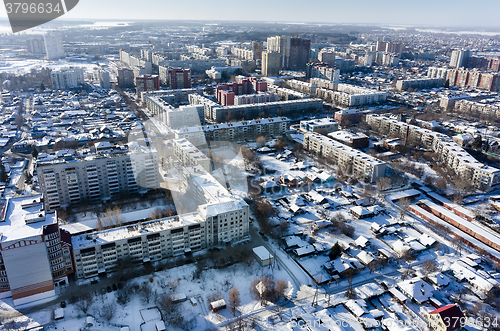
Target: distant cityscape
[[190, 175]]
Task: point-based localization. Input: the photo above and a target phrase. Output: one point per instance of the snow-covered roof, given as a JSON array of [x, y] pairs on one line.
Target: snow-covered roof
[[355, 307], [24, 217], [304, 250], [361, 241], [369, 290], [439, 279], [262, 253], [451, 215], [426, 240], [463, 271], [403, 194], [416, 289], [360, 211], [400, 246], [400, 296], [365, 257]]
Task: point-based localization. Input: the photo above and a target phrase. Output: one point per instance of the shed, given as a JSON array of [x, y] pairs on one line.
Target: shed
[[218, 305], [160, 326], [263, 256], [178, 297], [59, 313], [193, 301]]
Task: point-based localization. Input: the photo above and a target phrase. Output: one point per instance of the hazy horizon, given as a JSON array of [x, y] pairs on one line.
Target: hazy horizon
[[364, 12]]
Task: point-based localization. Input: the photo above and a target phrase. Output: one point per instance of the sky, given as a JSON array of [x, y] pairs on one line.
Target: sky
[[477, 13]]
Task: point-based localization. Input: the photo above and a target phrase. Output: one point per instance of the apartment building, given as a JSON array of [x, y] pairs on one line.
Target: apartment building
[[171, 96], [468, 106], [424, 83], [67, 78], [285, 93], [54, 47], [243, 53], [360, 164], [294, 52], [271, 64], [85, 176], [323, 71], [436, 72], [351, 96], [261, 97], [125, 77], [324, 83], [235, 131], [188, 154], [198, 65], [146, 83], [174, 117], [219, 219], [300, 86], [175, 78], [35, 254], [465, 165], [281, 108]]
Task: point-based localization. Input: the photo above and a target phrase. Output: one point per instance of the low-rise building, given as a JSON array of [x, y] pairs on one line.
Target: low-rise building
[[320, 125], [423, 83], [465, 165], [351, 139], [235, 131], [350, 160]]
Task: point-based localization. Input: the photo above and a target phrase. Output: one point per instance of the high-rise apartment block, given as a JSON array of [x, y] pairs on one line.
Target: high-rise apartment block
[[323, 71], [271, 64], [257, 48], [54, 46], [175, 78], [460, 58], [125, 77], [35, 45], [67, 78], [294, 52], [218, 219], [146, 83], [104, 81], [350, 160]]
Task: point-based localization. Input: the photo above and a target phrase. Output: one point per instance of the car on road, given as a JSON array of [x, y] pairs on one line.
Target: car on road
[[115, 287], [94, 281], [108, 289], [63, 304]]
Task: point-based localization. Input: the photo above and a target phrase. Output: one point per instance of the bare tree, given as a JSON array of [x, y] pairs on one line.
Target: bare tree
[[170, 311], [261, 141], [458, 244], [146, 293], [107, 311], [383, 183], [403, 205], [280, 288], [234, 300], [85, 302], [429, 267]]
